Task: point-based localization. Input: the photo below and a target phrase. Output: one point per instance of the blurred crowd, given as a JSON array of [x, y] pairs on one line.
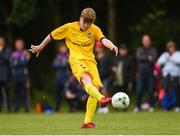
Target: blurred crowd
[[150, 78], [13, 67]]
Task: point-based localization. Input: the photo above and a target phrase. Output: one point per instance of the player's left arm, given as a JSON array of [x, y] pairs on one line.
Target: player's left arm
[[108, 44]]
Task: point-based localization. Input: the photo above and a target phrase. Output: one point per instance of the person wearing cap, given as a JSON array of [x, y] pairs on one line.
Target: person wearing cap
[[123, 70], [146, 57], [169, 62], [19, 61]]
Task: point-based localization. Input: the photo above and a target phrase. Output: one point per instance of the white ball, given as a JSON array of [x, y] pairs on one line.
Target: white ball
[[120, 100]]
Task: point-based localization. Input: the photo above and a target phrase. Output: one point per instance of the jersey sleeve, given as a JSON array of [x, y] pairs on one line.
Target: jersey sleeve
[[60, 32], [98, 34]]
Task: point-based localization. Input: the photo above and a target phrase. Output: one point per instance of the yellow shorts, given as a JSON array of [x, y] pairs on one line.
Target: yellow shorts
[[79, 67]]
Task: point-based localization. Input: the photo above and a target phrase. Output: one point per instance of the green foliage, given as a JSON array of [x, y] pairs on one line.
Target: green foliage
[[22, 11], [159, 26]]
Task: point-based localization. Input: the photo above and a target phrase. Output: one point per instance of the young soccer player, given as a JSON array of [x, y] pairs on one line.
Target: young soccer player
[[80, 38]]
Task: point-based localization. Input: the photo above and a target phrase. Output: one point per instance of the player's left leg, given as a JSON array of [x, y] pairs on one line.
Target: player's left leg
[[87, 74], [94, 96], [90, 110]]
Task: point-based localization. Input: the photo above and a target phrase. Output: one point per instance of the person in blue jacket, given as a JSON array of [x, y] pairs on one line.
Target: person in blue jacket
[[4, 74], [61, 65], [19, 65], [74, 94]]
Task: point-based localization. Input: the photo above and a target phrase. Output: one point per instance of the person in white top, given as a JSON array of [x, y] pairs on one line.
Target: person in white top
[[169, 61]]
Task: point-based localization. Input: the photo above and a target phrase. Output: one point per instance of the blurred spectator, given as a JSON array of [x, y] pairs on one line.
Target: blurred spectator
[[170, 63], [4, 74], [74, 94], [62, 70], [123, 69], [104, 71], [19, 61], [146, 56]]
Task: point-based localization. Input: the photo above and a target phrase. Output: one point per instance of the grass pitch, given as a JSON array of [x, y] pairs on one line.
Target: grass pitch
[[112, 123]]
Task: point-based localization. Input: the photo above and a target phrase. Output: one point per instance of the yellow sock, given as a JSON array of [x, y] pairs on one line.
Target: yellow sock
[[90, 109], [91, 90]]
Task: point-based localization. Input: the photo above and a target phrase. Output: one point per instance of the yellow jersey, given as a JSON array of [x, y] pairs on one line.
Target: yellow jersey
[[80, 43]]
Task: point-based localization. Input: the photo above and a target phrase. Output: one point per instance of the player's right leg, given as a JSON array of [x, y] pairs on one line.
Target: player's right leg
[[93, 91], [89, 87]]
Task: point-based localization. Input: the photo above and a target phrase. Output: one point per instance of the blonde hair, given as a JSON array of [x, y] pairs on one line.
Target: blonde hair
[[88, 15], [170, 44]]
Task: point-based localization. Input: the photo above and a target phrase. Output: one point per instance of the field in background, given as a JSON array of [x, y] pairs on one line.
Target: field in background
[[70, 123]]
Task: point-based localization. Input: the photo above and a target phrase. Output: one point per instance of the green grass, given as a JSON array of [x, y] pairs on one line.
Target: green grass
[[70, 123]]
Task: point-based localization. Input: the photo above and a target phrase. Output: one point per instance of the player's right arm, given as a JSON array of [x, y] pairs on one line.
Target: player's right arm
[[38, 48], [57, 34]]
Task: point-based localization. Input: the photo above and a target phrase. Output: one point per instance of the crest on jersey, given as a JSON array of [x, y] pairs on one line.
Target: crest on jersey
[[89, 35]]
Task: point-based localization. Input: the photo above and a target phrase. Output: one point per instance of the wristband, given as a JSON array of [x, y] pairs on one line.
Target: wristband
[[113, 48]]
